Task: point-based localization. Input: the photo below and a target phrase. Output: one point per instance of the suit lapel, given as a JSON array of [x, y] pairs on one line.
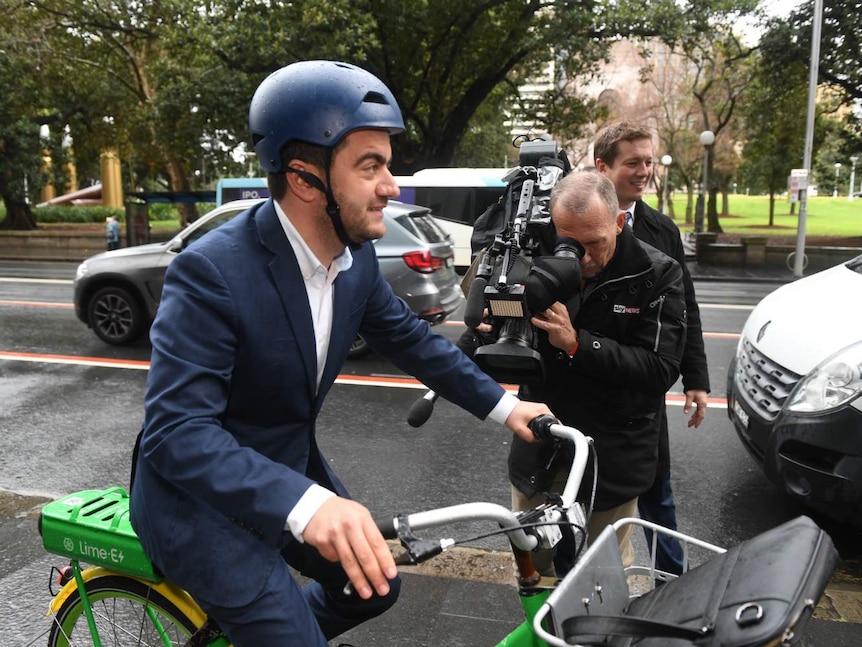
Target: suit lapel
[[290, 286]]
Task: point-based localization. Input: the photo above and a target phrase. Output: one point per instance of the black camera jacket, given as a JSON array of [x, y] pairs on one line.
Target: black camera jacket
[[632, 325]]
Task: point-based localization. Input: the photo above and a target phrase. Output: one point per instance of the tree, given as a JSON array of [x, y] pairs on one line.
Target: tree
[[840, 45], [156, 91], [22, 106], [721, 76], [168, 83], [451, 64], [774, 130], [670, 104]]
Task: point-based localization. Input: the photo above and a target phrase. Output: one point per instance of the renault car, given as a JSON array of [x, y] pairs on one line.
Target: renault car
[[794, 390]]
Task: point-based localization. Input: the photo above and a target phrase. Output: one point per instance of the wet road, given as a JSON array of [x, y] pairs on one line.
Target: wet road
[[70, 408]]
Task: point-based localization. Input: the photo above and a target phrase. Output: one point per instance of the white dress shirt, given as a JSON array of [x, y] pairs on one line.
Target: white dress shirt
[[318, 285]]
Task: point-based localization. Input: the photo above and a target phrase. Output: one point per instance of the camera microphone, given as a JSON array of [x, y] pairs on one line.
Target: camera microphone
[[421, 410], [474, 309]]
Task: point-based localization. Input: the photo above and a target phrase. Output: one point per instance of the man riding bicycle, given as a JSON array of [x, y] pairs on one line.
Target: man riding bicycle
[[256, 319]]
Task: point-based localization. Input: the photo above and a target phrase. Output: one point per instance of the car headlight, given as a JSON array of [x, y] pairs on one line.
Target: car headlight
[[81, 271], [831, 384]]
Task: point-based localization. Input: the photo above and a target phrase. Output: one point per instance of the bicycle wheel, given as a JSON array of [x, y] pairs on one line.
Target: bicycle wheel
[[127, 612]]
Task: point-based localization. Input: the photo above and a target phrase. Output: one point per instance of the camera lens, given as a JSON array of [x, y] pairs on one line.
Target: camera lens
[[568, 248]]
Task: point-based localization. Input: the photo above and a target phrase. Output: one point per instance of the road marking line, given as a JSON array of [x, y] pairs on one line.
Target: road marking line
[[75, 360], [724, 306], [36, 304], [12, 279]]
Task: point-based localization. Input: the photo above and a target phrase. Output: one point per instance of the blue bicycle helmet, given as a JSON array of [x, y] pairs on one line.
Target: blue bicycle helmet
[[318, 102]]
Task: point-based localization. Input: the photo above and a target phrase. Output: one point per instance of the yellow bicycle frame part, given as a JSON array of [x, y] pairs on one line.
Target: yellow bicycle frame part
[[172, 592]]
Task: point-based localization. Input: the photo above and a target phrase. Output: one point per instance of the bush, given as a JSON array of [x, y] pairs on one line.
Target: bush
[[54, 214], [160, 211]]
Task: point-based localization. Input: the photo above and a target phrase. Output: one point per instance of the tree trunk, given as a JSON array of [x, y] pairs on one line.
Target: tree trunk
[[188, 211], [712, 214], [771, 208], [19, 216], [689, 206]]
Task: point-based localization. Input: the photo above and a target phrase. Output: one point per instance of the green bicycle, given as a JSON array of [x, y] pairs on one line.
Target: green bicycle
[[111, 594]]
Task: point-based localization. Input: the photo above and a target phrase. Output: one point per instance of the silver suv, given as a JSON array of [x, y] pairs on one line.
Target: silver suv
[[117, 292]]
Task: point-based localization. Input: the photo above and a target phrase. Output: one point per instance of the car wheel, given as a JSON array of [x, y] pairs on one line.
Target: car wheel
[[359, 348], [115, 316]]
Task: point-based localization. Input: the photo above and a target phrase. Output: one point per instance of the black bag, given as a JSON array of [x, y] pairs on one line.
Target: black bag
[[759, 593]]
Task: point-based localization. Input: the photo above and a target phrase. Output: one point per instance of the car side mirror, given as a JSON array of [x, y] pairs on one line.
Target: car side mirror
[[176, 245]]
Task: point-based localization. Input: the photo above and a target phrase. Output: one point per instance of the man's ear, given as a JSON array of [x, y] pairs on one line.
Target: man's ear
[[621, 222], [601, 165], [298, 185]]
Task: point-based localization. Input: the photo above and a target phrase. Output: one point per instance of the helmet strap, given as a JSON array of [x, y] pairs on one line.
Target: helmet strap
[[333, 209]]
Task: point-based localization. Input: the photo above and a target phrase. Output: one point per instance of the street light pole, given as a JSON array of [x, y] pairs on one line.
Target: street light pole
[[835, 190], [666, 160], [707, 139], [853, 161]]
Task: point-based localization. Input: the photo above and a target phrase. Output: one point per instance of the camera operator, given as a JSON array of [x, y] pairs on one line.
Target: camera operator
[[611, 352]]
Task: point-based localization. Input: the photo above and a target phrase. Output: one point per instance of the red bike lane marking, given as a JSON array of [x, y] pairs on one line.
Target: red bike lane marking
[[74, 359], [36, 304], [346, 379]]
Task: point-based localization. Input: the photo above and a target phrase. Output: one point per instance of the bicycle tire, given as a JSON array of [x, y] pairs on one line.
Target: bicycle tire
[[119, 608]]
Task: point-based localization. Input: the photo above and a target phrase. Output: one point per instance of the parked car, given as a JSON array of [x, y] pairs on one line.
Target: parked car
[[117, 292], [794, 389]]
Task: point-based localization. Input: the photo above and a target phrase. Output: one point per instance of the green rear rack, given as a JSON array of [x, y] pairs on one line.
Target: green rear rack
[[92, 526]]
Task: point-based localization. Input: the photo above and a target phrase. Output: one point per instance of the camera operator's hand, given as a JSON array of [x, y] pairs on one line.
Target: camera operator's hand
[[556, 322], [485, 327]]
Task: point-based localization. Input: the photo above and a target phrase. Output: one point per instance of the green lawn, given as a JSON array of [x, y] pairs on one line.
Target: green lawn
[[749, 215]]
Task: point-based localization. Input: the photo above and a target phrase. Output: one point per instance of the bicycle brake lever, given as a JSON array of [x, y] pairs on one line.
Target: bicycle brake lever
[[421, 550], [417, 550]]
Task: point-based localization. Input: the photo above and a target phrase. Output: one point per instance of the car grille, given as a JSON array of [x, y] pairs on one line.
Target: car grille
[[764, 384]]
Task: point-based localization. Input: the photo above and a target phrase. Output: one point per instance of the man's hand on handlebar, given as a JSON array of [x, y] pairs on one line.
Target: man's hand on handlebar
[[343, 531], [519, 420]]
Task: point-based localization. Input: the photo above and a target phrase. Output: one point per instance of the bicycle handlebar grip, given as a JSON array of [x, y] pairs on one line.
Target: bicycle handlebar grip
[[386, 526], [541, 426]]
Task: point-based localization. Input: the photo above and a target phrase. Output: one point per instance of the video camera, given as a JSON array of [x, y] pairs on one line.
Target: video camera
[[514, 279]]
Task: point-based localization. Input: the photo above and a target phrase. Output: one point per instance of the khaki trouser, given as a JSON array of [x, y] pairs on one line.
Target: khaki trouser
[[543, 560]]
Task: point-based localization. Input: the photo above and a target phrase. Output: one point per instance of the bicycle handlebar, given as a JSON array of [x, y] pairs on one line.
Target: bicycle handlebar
[[544, 427]]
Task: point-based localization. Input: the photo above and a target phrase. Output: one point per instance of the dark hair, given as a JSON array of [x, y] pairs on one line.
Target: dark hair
[[605, 147], [308, 153]]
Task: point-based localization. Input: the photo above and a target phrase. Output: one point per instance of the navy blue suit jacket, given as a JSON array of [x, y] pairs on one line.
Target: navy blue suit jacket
[[228, 443]]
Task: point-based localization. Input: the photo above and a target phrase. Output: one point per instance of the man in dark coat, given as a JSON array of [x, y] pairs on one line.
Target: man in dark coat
[[611, 352], [624, 153]]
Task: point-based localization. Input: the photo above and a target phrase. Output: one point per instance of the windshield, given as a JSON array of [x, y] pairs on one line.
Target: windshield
[[209, 225], [855, 264], [422, 226]]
